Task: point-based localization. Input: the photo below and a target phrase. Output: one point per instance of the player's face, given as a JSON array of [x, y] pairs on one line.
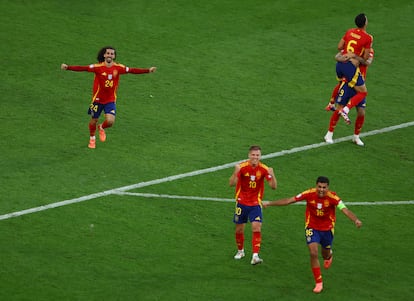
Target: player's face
[[322, 189], [109, 55], [254, 157]]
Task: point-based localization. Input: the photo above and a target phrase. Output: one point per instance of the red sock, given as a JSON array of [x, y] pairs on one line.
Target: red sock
[[356, 99], [92, 129], [105, 125], [335, 91], [333, 121], [256, 241], [317, 274], [359, 122], [240, 241]]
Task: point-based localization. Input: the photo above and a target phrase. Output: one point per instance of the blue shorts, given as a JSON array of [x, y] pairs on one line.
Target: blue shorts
[[351, 73], [324, 238], [345, 93], [95, 109], [247, 213]]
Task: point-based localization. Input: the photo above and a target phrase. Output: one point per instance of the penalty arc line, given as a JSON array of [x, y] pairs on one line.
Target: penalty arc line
[[194, 173]]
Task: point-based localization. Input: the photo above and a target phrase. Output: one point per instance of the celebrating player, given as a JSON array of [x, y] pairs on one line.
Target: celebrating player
[[320, 220], [248, 177], [343, 94], [105, 85], [359, 42]]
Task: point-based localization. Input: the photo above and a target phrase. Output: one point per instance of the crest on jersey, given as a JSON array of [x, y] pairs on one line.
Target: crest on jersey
[[319, 205], [109, 76]]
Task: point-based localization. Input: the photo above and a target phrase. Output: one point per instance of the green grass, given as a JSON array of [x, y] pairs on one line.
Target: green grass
[[230, 74]]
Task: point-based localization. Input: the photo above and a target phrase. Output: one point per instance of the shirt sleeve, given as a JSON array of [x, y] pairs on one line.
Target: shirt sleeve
[[81, 68], [137, 70], [341, 205]]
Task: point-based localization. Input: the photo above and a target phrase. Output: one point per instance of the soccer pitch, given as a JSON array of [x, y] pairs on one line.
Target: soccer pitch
[[147, 215], [124, 190]]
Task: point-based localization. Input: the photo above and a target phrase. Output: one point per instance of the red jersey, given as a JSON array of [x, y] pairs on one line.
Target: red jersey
[[106, 79], [320, 212], [356, 41], [250, 183]]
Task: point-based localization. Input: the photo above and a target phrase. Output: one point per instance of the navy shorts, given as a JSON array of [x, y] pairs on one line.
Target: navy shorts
[[324, 238], [351, 73], [95, 109], [345, 93], [247, 213]]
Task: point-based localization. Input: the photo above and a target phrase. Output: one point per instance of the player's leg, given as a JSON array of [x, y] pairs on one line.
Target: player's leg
[[94, 110], [361, 94], [315, 265], [109, 121], [344, 94], [92, 129], [359, 122], [358, 84], [327, 257], [356, 81], [110, 112], [326, 248], [331, 104], [256, 242], [240, 219], [313, 240], [332, 124]]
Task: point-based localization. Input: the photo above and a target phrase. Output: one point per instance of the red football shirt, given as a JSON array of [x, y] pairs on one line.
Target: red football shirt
[[356, 41], [106, 79], [250, 183], [320, 212]]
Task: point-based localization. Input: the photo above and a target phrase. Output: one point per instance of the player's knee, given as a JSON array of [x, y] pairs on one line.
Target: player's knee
[[313, 252], [109, 122]]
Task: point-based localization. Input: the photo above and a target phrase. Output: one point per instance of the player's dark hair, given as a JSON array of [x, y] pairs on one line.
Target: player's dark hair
[[100, 56], [360, 20], [254, 147], [322, 179]]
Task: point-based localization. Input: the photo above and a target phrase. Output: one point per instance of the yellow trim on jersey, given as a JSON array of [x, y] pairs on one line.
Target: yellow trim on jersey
[[354, 79]]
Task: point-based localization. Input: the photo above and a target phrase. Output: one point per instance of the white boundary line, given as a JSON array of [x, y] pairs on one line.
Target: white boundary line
[[195, 173], [197, 198]]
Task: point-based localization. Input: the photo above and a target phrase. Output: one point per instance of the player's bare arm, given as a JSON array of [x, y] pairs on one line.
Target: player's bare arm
[[281, 202], [233, 178], [352, 217], [341, 44], [339, 57], [273, 181]]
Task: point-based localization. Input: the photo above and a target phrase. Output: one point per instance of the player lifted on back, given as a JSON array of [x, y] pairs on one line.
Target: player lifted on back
[[355, 41], [105, 85], [341, 96]]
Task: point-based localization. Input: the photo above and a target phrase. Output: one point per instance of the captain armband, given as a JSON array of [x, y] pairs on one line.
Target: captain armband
[[341, 205]]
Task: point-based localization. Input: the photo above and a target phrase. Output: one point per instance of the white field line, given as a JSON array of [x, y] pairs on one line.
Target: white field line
[[194, 173], [197, 198]]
